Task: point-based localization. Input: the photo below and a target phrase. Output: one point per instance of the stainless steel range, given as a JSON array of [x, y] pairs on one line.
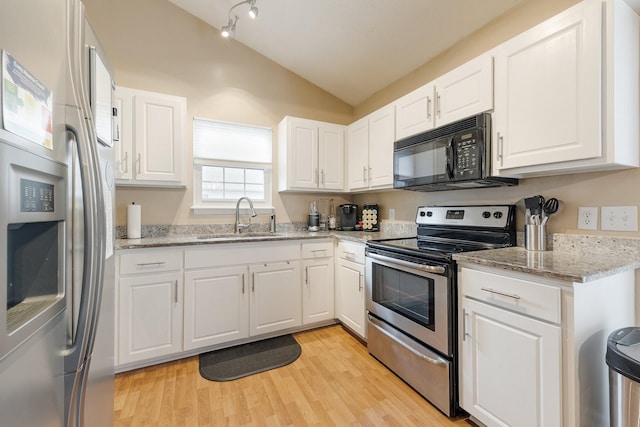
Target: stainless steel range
[[411, 294]]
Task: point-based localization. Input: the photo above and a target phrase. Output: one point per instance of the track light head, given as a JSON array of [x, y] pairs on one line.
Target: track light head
[[228, 29], [253, 12]]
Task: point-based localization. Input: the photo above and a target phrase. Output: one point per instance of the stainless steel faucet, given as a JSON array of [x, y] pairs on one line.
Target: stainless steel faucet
[[253, 213]]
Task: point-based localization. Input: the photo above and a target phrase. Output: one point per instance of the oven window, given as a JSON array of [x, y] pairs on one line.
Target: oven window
[[409, 295]]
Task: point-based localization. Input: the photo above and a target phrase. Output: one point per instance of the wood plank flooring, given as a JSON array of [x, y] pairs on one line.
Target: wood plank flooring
[[335, 382]]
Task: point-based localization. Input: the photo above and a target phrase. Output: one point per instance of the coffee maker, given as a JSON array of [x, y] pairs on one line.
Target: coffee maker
[[348, 214]]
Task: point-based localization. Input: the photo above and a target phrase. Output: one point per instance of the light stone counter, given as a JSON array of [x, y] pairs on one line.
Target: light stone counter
[[165, 236], [574, 258]]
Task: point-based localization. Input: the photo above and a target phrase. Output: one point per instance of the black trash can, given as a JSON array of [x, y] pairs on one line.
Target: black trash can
[[623, 358]]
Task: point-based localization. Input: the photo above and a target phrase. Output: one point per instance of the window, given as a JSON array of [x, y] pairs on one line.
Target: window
[[230, 161]]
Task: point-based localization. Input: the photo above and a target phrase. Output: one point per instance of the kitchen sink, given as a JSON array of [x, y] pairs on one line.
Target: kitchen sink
[[230, 236]]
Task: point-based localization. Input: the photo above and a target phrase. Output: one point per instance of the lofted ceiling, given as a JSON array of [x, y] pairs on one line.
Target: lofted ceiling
[[351, 48]]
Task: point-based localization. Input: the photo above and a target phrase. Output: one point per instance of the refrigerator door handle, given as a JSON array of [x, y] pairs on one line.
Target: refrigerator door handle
[[78, 355]]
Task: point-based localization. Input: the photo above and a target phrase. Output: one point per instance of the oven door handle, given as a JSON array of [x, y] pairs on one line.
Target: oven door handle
[[427, 268], [434, 361]]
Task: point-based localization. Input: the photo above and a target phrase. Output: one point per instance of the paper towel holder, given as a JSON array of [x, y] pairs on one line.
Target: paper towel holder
[[134, 223]]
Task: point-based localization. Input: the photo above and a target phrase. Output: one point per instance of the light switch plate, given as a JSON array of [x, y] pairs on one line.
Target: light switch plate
[[619, 218]]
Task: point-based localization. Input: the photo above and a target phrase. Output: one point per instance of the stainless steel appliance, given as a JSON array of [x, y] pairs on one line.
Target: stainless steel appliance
[[56, 219], [348, 216], [455, 156], [411, 293]]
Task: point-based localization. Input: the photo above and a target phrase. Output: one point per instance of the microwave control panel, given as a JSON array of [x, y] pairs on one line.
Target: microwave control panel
[[467, 156], [36, 196]]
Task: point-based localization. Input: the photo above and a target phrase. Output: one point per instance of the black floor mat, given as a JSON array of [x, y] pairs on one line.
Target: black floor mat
[[248, 359]]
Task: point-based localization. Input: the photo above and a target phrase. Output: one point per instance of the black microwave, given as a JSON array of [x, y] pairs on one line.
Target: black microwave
[[453, 156]]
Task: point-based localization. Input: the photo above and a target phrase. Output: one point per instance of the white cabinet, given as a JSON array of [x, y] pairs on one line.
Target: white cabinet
[[275, 297], [310, 155], [149, 319], [532, 349], [216, 306], [350, 304], [462, 92], [318, 282], [511, 362], [561, 93], [150, 149], [235, 291], [370, 150]]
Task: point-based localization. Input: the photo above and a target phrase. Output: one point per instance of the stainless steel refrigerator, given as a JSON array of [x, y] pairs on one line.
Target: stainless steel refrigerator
[[57, 196]]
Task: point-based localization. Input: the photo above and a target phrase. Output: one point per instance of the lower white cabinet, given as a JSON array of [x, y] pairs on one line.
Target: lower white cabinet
[[149, 306], [511, 367], [532, 349], [350, 305], [216, 306], [275, 297]]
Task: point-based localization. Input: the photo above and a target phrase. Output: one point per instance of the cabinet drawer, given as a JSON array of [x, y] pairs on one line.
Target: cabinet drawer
[[317, 249], [240, 253], [527, 297], [351, 251], [149, 262]]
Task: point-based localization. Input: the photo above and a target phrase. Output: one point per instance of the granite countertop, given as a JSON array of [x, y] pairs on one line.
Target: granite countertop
[[566, 264], [190, 240]]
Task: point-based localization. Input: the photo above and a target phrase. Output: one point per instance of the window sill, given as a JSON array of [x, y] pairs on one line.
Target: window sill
[[230, 210]]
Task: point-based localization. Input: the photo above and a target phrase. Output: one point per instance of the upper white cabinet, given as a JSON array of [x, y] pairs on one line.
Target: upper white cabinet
[[462, 92], [370, 150], [311, 155], [150, 149], [566, 93]]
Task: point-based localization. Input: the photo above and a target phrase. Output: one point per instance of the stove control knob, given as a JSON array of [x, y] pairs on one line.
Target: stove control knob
[[486, 214], [429, 214], [422, 213], [497, 215]]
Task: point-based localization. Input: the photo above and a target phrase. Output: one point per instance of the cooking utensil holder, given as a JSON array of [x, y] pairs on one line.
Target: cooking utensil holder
[[535, 237]]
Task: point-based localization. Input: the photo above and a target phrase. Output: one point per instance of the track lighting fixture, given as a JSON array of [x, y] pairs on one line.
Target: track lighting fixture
[[228, 29]]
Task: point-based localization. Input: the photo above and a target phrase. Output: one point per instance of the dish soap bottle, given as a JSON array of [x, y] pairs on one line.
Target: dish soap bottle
[[332, 216]]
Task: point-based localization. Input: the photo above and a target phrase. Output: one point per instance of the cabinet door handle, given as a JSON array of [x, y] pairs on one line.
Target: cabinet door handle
[[493, 291], [253, 282], [438, 105], [322, 176], [242, 283], [317, 175], [500, 148], [125, 162], [306, 275], [364, 173], [464, 325], [151, 264], [428, 108], [175, 290], [369, 174], [359, 282], [138, 164]]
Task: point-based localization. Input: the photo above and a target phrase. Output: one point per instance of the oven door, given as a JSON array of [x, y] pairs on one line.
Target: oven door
[[413, 295]]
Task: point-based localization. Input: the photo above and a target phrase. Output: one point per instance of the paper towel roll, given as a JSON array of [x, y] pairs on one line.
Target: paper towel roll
[[134, 223]]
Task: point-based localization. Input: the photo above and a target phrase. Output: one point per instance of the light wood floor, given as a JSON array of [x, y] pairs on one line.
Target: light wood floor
[[335, 382]]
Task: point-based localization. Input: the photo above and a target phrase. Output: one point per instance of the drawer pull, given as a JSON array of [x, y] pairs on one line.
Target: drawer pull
[[493, 291], [151, 264], [242, 283], [319, 250]]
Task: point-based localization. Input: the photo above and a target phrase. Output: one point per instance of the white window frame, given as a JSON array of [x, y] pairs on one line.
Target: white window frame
[[229, 206]]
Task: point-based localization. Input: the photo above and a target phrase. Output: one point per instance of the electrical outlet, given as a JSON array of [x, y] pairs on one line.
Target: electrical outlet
[[619, 218], [588, 218], [392, 214]]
